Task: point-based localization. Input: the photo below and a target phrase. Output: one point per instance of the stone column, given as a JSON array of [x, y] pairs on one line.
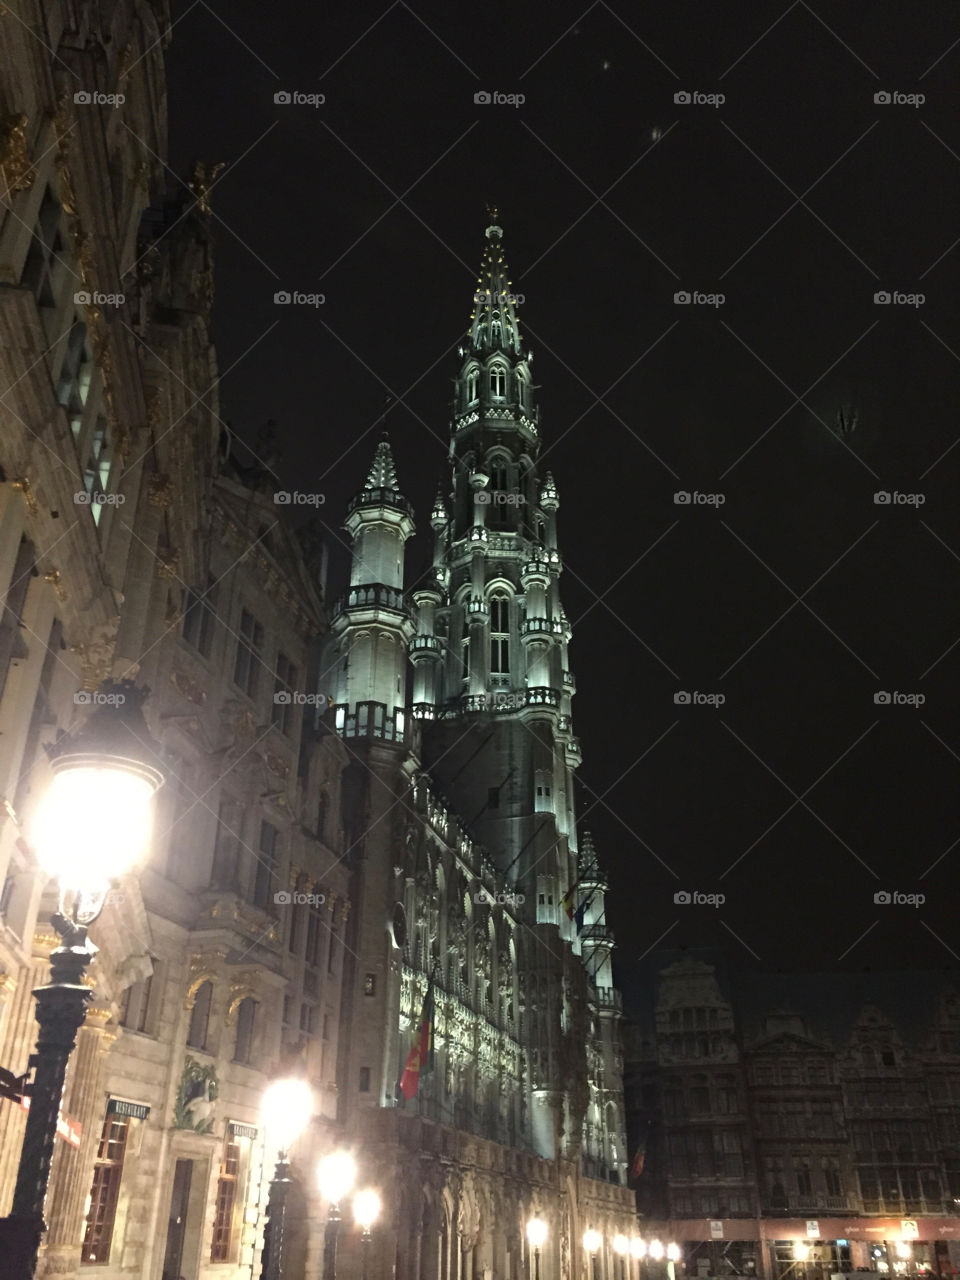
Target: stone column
[[71, 1174]]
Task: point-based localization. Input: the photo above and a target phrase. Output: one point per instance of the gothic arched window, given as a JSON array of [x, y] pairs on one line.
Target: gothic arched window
[[498, 381], [499, 635], [473, 377]]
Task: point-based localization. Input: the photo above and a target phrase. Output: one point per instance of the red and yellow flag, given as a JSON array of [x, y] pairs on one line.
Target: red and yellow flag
[[420, 1058]]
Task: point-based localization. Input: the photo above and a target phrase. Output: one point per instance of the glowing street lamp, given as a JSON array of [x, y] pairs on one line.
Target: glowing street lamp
[[638, 1248], [91, 827], [536, 1235], [286, 1108], [655, 1250], [592, 1240], [621, 1247], [336, 1174], [673, 1257], [366, 1210]]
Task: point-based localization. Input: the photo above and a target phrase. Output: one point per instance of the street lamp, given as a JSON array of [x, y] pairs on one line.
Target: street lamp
[[336, 1174], [673, 1257], [592, 1240], [366, 1210], [286, 1109], [91, 827], [655, 1250], [621, 1247], [536, 1235]]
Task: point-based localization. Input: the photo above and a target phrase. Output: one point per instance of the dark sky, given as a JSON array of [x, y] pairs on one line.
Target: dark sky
[[797, 198]]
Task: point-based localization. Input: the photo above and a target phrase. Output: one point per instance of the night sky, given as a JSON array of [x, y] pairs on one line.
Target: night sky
[[797, 399]]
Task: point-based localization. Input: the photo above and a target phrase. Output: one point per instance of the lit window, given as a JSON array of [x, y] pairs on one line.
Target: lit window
[[498, 380], [499, 635], [107, 1173], [225, 1215], [473, 378]]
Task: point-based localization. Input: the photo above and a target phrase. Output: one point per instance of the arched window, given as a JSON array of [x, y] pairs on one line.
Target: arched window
[[521, 389], [498, 381], [496, 333], [246, 1019], [465, 658], [499, 475], [499, 635], [200, 1017], [473, 378]]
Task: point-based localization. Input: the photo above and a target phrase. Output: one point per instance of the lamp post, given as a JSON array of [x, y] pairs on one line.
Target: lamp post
[[286, 1109], [366, 1210], [673, 1257], [336, 1174], [536, 1235], [621, 1247], [638, 1251], [592, 1240], [91, 828]]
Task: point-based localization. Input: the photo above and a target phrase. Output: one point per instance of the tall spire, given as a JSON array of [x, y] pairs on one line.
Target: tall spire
[[383, 472], [493, 322]]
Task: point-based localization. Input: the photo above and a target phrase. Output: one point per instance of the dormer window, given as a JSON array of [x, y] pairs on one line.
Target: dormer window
[[473, 377], [498, 381]]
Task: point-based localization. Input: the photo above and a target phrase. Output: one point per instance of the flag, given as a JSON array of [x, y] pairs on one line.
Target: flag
[[581, 911], [567, 900], [420, 1058], [636, 1167]]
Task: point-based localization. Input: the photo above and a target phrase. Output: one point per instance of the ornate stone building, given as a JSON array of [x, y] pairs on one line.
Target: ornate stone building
[[761, 1133], [311, 868], [462, 835]]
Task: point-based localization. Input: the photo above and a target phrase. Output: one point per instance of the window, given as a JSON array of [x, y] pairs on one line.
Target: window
[[804, 1178], [331, 954], [135, 1006], [200, 1016], [44, 271], [107, 1173], [96, 472], [699, 1101], [246, 1020], [6, 895], [543, 790], [226, 847], [473, 377], [266, 873], [285, 682], [315, 933], [498, 380], [198, 619], [831, 1176], [246, 669], [307, 1017], [364, 1086], [499, 635], [465, 658], [322, 804], [76, 372], [370, 984], [223, 1223]]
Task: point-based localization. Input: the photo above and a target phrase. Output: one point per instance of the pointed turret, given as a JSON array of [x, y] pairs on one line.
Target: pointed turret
[[493, 322], [372, 623]]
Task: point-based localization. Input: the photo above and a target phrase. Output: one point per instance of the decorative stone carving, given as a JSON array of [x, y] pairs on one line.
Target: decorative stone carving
[[196, 1097], [29, 498], [190, 688], [202, 180], [18, 172], [96, 655]]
